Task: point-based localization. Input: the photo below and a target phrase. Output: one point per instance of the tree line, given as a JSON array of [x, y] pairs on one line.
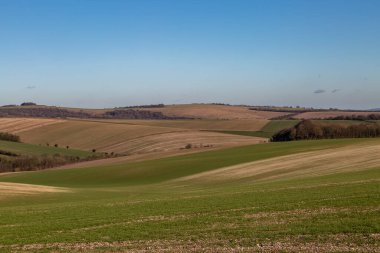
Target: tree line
[[357, 117], [307, 130], [54, 112]]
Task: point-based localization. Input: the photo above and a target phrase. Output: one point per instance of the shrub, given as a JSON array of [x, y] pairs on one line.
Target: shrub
[[9, 137]]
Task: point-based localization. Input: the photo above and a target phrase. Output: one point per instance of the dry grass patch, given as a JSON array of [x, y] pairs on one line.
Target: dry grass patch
[[13, 189]]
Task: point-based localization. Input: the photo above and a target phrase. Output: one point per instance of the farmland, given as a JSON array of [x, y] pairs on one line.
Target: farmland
[[201, 185], [149, 126], [170, 204], [17, 125], [205, 124], [267, 130], [209, 111], [121, 137], [16, 156]]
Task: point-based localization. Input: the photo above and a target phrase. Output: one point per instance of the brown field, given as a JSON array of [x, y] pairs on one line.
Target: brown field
[[18, 125], [107, 136], [238, 125], [315, 163], [329, 114], [206, 111], [175, 141]]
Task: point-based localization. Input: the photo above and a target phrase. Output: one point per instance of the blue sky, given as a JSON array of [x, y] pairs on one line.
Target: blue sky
[[96, 53]]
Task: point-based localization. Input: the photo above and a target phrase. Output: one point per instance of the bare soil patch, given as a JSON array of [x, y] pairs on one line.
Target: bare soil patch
[[327, 243]]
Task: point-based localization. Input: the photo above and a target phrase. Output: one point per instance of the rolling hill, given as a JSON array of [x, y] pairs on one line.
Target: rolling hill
[[243, 198]]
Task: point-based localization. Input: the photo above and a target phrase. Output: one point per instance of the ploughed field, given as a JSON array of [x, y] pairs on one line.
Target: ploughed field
[[303, 196], [122, 137]]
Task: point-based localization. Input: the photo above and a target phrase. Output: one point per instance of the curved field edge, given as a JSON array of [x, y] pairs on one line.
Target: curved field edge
[[165, 169], [267, 130], [313, 163]]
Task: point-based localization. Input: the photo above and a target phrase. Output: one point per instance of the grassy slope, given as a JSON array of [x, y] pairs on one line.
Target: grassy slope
[[311, 212], [30, 149], [155, 171]]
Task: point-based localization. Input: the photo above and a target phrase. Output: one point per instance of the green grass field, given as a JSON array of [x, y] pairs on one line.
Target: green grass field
[[31, 149], [140, 207]]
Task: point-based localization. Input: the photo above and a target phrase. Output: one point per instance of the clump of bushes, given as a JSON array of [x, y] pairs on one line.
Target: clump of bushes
[[9, 137], [307, 130], [28, 163], [31, 163], [28, 104]]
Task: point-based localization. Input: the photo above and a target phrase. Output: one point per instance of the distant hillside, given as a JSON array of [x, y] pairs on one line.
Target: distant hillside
[[214, 112], [55, 112], [180, 111], [43, 112]]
